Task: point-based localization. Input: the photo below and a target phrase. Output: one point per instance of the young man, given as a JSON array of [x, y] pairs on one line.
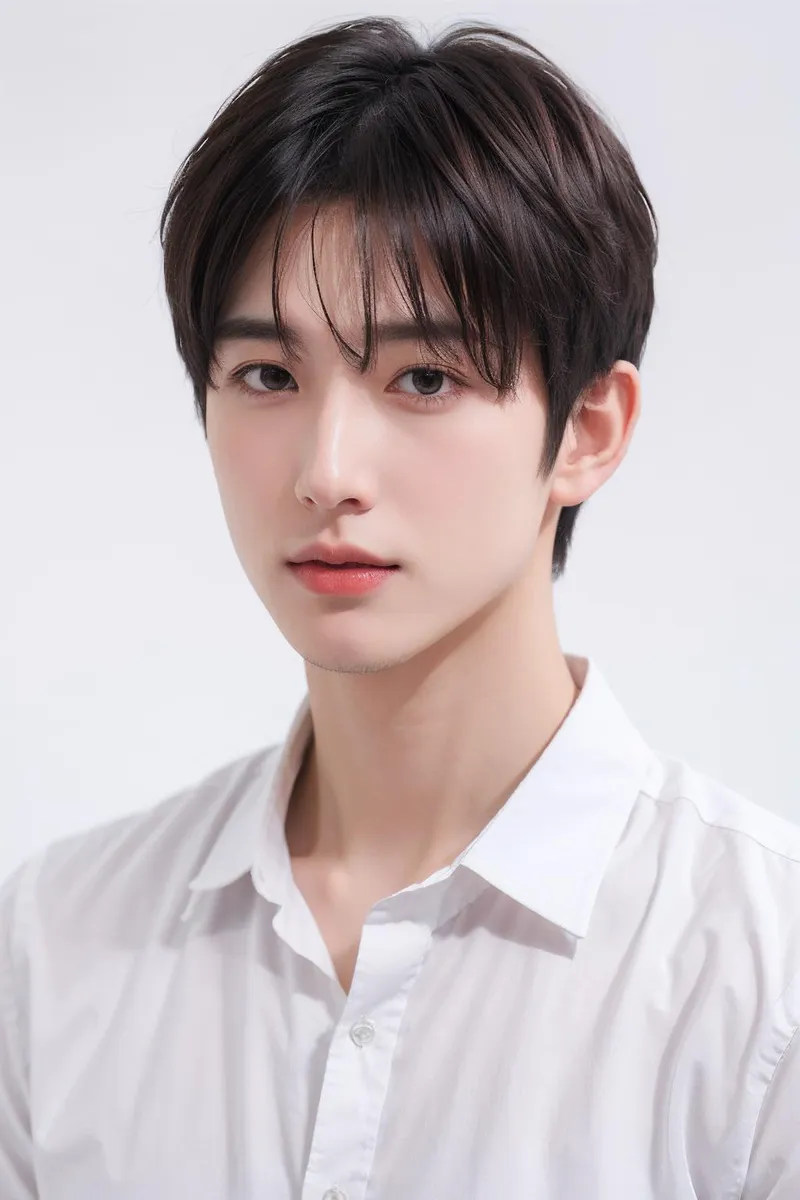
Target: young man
[[463, 933]]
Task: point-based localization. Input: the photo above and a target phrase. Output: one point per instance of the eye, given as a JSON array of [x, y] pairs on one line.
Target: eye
[[428, 377], [264, 373], [266, 378]]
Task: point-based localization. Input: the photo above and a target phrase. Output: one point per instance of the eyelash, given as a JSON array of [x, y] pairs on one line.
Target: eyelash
[[238, 375]]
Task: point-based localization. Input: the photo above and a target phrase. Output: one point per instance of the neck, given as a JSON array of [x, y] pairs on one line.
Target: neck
[[408, 764]]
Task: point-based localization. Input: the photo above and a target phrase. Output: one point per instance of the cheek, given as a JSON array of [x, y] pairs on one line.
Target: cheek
[[245, 474], [486, 499], [490, 474]]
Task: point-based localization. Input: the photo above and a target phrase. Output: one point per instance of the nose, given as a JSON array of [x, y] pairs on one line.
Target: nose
[[338, 458]]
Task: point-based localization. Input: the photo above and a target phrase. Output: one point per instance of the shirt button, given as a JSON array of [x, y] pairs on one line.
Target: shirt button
[[334, 1193], [362, 1032]]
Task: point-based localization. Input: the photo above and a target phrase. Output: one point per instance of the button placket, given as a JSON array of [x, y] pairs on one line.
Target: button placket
[[393, 947]]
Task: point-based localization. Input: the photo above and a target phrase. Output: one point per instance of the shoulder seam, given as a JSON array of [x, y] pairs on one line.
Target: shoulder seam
[[729, 828]]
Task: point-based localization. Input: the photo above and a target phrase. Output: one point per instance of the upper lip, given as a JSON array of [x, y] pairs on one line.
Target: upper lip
[[343, 553]]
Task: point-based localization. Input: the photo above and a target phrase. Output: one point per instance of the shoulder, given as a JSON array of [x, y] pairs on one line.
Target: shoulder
[[713, 813], [730, 867], [121, 870]]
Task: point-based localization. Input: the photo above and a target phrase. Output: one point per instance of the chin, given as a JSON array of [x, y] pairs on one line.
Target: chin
[[355, 651]]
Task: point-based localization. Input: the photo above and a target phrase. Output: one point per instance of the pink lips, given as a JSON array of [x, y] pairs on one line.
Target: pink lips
[[346, 580]]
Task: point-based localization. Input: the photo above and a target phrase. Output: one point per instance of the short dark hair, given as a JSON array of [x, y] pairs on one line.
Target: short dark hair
[[528, 203]]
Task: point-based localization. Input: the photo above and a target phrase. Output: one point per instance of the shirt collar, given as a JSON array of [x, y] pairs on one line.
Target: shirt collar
[[547, 848]]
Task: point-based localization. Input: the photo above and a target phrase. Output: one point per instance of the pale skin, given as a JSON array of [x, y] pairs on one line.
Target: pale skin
[[433, 697]]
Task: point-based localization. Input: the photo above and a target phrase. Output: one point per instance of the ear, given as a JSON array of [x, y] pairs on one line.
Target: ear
[[597, 435]]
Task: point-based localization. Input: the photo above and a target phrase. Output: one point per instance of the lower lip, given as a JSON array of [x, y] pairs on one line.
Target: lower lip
[[340, 581]]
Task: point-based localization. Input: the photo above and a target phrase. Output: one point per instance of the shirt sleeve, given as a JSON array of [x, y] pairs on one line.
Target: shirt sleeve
[[774, 1169], [17, 1178]]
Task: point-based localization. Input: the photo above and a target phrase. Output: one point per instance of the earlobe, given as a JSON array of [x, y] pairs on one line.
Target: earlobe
[[570, 487]]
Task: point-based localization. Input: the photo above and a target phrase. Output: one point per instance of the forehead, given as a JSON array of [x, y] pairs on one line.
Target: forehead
[[324, 261]]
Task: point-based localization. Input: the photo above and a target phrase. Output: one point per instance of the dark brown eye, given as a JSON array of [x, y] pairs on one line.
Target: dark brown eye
[[263, 377], [427, 382]]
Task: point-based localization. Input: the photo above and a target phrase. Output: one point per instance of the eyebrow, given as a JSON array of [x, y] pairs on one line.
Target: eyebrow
[[402, 330]]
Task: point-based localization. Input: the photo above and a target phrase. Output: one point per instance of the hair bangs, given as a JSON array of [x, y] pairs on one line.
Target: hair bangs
[[430, 256]]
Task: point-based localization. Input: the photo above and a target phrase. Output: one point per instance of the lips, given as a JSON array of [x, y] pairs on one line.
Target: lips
[[354, 578]]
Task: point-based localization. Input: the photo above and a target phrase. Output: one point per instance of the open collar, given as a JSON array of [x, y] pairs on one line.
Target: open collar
[[548, 847]]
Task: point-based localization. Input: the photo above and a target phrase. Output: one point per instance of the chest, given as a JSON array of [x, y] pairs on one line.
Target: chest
[[468, 1058]]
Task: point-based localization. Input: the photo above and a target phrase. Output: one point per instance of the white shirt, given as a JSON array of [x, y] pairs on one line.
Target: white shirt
[[598, 1000]]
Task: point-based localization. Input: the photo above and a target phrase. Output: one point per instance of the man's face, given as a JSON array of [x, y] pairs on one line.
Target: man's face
[[316, 451]]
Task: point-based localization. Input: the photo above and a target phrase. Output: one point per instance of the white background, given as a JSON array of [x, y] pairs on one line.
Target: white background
[[135, 656]]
